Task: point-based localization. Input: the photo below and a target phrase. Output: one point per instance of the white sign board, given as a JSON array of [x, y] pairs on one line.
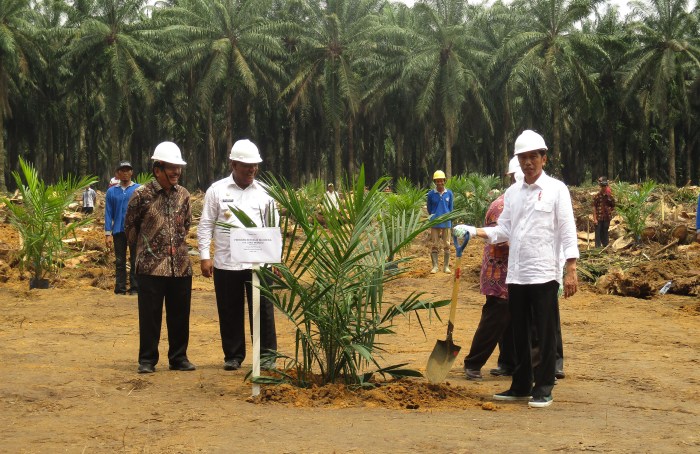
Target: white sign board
[[256, 245]]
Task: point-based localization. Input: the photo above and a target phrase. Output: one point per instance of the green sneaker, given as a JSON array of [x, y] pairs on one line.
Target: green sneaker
[[541, 402], [510, 395]]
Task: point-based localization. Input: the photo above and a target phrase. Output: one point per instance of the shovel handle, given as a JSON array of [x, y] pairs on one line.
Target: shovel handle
[[459, 247], [453, 300]]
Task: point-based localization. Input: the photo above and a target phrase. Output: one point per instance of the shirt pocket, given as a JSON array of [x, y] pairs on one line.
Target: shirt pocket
[[545, 206]]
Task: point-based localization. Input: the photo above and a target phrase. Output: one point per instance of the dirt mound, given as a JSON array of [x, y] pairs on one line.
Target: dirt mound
[[399, 394], [648, 275]]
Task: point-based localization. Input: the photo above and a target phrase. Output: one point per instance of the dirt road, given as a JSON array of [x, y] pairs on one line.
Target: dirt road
[[69, 384]]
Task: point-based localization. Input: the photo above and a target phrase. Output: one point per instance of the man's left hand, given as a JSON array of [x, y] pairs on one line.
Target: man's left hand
[[570, 279]]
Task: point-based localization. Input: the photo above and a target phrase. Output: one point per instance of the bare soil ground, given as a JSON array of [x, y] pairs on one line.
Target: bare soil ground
[[69, 380]]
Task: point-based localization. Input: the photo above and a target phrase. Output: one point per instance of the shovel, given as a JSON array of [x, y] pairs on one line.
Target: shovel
[[445, 352]]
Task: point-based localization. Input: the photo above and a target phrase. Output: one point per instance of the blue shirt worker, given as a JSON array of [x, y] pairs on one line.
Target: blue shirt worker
[[538, 221], [116, 203], [440, 201]]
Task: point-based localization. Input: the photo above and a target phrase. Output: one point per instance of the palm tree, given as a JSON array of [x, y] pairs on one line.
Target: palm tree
[[494, 27], [336, 37], [441, 67], [229, 47], [18, 53], [660, 65], [549, 62], [109, 53]]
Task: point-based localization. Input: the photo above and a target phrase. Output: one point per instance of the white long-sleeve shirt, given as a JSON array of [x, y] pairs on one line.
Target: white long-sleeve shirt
[[253, 200], [538, 220]]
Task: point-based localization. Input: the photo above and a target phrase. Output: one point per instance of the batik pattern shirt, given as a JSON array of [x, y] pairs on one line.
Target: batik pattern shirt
[[603, 205], [158, 222], [494, 265]]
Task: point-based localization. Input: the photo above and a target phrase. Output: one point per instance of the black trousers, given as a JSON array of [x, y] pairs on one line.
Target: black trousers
[[120, 262], [534, 307], [602, 237], [231, 287], [494, 329], [560, 346], [177, 293]]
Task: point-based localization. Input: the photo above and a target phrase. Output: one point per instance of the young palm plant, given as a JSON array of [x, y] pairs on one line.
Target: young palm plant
[[402, 213], [633, 205], [473, 195], [39, 220], [331, 285]]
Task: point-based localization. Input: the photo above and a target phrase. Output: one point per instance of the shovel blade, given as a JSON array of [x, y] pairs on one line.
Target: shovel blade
[[441, 360]]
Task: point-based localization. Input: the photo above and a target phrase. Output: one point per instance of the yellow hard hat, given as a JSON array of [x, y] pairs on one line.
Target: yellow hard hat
[[439, 174]]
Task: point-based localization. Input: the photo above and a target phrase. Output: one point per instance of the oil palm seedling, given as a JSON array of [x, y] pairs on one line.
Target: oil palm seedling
[[634, 206], [473, 194], [38, 217], [331, 285]]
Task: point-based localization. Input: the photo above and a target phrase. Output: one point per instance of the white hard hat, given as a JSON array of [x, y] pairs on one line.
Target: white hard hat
[[514, 168], [168, 152], [529, 141], [513, 165], [245, 151]]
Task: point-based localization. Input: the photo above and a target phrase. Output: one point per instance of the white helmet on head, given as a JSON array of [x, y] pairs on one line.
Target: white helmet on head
[[168, 152], [529, 141], [245, 151], [514, 168]]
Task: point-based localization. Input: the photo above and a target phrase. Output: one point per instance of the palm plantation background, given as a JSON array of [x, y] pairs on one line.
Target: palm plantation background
[[326, 86]]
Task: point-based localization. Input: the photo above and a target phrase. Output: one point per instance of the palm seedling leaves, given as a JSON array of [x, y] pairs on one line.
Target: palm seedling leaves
[[38, 218], [330, 284]]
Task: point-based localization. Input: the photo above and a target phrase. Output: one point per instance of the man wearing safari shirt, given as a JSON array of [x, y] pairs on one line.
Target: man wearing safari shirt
[[538, 221], [233, 280], [158, 221]]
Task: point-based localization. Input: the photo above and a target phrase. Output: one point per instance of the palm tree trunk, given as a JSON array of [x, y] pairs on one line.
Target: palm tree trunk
[[610, 149], [210, 148], [505, 155], [398, 157], [337, 155], [229, 121], [671, 155], [351, 149], [448, 149], [556, 139], [293, 158], [3, 187], [82, 150]]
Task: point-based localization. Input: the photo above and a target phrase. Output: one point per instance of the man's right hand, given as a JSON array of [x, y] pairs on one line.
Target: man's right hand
[[109, 241], [207, 267]]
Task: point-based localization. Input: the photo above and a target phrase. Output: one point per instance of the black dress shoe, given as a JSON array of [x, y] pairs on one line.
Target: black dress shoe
[[146, 368], [559, 374], [182, 365], [501, 372], [232, 364]]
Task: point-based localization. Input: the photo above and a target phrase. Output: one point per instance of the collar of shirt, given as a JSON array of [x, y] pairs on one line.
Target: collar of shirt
[[157, 187]]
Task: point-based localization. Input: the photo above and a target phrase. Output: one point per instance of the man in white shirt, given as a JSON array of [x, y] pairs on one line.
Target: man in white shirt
[[538, 221], [89, 196], [233, 280], [331, 197]]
